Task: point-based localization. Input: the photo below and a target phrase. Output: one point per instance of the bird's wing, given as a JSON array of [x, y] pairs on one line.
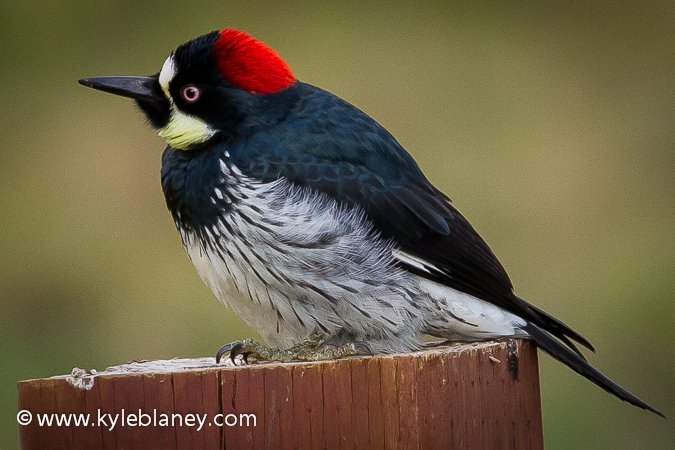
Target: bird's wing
[[367, 168]]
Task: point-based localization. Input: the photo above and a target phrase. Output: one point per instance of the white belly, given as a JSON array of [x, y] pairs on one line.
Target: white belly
[[291, 263]]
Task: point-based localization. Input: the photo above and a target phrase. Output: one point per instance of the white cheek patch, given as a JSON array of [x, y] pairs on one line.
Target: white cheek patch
[[182, 130]]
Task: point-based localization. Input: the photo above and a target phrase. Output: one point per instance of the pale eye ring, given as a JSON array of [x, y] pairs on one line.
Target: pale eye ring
[[190, 93]]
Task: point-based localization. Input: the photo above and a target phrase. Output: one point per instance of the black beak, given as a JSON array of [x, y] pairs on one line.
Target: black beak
[[138, 88]]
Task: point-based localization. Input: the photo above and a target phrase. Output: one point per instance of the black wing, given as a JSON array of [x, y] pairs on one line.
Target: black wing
[[358, 163]]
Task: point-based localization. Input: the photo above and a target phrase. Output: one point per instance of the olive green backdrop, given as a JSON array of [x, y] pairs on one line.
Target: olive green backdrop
[[551, 126]]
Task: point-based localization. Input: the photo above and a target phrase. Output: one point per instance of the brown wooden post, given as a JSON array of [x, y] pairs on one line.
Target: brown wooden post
[[459, 397]]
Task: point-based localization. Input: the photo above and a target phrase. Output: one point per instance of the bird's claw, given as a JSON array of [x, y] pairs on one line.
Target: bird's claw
[[224, 349], [363, 349], [245, 348]]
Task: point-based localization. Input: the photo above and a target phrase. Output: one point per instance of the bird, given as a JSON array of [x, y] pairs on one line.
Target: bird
[[310, 220]]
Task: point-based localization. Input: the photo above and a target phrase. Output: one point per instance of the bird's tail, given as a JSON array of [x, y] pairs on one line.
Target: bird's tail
[[576, 362]]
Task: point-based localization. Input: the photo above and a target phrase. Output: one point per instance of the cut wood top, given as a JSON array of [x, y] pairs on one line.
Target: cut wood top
[[209, 362]]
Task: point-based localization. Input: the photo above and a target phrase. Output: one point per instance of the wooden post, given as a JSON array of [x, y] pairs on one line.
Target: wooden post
[[475, 396]]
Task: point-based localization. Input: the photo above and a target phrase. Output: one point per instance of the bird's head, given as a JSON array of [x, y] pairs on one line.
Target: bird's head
[[217, 85]]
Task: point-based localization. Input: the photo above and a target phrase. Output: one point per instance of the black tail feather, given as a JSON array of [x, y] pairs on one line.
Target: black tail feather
[[552, 325], [577, 363]]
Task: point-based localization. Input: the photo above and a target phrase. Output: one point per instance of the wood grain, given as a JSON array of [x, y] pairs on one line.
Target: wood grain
[[455, 397]]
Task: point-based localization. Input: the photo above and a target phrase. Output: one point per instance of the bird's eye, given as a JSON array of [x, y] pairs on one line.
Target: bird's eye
[[190, 93]]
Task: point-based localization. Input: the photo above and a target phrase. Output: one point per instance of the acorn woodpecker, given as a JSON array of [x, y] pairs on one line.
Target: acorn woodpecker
[[313, 223]]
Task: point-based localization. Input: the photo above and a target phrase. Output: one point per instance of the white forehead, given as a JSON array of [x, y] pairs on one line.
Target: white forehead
[[167, 73]]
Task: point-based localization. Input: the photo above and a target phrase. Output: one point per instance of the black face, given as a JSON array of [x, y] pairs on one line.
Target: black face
[[156, 108]]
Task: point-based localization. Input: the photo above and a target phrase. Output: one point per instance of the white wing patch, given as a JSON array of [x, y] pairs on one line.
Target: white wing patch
[[413, 261]]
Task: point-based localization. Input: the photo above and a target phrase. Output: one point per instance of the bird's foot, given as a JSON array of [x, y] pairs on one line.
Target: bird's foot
[[311, 349]]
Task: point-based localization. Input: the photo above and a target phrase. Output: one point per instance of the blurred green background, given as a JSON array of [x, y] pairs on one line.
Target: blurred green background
[[552, 127]]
